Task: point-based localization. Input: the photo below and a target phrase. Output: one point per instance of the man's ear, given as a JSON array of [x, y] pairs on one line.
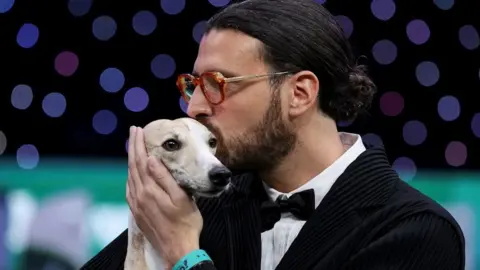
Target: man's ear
[[304, 92]]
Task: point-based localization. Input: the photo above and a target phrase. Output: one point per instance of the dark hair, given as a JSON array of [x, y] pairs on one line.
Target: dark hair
[[302, 35]]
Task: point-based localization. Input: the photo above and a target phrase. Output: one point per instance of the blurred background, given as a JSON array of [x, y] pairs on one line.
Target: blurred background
[[76, 74]]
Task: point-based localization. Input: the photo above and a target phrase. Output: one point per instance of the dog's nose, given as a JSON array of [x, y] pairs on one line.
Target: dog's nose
[[220, 176]]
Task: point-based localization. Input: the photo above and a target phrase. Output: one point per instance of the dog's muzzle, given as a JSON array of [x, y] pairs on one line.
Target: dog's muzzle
[[219, 176]]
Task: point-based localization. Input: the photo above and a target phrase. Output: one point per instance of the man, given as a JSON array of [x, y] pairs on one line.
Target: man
[[271, 80]]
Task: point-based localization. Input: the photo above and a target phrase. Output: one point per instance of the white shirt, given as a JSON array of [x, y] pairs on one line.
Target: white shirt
[[276, 241]]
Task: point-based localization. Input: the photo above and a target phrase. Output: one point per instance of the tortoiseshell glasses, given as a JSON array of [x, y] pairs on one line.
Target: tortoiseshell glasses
[[213, 84]]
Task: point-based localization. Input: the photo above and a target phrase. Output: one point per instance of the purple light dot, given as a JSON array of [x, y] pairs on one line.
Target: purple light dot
[[427, 73], [163, 66], [384, 52], [54, 105], [112, 80], [372, 139], [79, 7], [3, 142], [27, 156], [66, 63], [456, 154], [27, 36], [6, 5], [391, 103], [183, 105], [104, 122], [344, 123], [448, 108], [405, 167], [346, 24], [136, 99], [383, 9], [418, 32], [144, 22], [444, 4], [475, 125], [126, 146], [22, 97], [104, 28], [468, 36], [414, 132], [172, 7], [199, 30], [219, 3]]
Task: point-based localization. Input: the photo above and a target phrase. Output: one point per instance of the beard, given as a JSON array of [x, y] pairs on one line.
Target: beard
[[262, 147]]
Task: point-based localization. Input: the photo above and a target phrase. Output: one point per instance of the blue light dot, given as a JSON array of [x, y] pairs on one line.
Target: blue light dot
[[27, 156], [22, 97], [405, 167], [384, 52], [199, 30], [163, 66], [54, 104], [79, 7], [383, 9], [448, 108], [172, 7], [414, 132], [444, 4], [136, 99], [112, 80], [219, 3], [104, 122], [6, 5], [427, 73], [3, 142], [144, 22], [346, 24], [27, 35], [104, 28], [372, 139], [469, 37]]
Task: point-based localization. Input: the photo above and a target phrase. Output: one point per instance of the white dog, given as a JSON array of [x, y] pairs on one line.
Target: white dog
[[187, 148]]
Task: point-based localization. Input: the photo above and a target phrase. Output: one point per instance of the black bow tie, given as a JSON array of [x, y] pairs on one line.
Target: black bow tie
[[301, 205]]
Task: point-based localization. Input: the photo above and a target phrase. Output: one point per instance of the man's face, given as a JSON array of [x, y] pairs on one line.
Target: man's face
[[253, 131]]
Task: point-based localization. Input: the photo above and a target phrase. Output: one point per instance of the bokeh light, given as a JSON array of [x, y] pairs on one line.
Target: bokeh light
[[346, 24], [22, 97], [79, 8], [384, 52], [144, 22], [104, 28], [391, 103], [475, 125], [468, 37], [219, 3], [456, 153], [372, 139], [427, 73], [383, 9], [104, 122], [6, 5], [27, 35], [448, 108], [163, 66], [112, 80], [54, 104], [405, 167], [418, 32], [172, 7], [414, 132], [136, 99], [198, 30], [27, 156], [3, 142], [444, 4], [66, 63]]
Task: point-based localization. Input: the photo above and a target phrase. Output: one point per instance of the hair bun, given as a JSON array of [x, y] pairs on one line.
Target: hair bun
[[354, 96]]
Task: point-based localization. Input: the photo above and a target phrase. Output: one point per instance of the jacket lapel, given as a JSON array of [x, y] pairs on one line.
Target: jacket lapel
[[243, 229], [360, 186]]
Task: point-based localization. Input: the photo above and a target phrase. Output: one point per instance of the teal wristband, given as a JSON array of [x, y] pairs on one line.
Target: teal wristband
[[191, 259]]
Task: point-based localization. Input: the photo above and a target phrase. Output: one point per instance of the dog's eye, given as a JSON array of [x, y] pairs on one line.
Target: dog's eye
[[171, 145], [212, 142]]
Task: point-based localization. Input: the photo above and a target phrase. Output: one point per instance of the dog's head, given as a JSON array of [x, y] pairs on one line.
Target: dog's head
[[187, 148]]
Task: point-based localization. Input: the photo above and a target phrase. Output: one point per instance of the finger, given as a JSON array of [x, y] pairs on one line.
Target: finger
[[132, 168], [140, 155], [130, 190], [165, 180]]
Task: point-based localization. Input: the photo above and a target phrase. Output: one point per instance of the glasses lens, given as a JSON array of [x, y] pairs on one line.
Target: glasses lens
[[212, 87], [186, 85]]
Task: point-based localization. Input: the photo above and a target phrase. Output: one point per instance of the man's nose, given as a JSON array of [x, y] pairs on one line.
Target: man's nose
[[198, 105]]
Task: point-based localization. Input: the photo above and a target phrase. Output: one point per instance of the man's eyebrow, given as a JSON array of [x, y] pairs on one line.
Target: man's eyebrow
[[224, 72]]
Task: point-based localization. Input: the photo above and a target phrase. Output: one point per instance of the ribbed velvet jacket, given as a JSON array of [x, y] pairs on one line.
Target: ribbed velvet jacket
[[369, 220]]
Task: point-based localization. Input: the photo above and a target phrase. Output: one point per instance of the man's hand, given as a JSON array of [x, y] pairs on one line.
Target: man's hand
[[167, 216]]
